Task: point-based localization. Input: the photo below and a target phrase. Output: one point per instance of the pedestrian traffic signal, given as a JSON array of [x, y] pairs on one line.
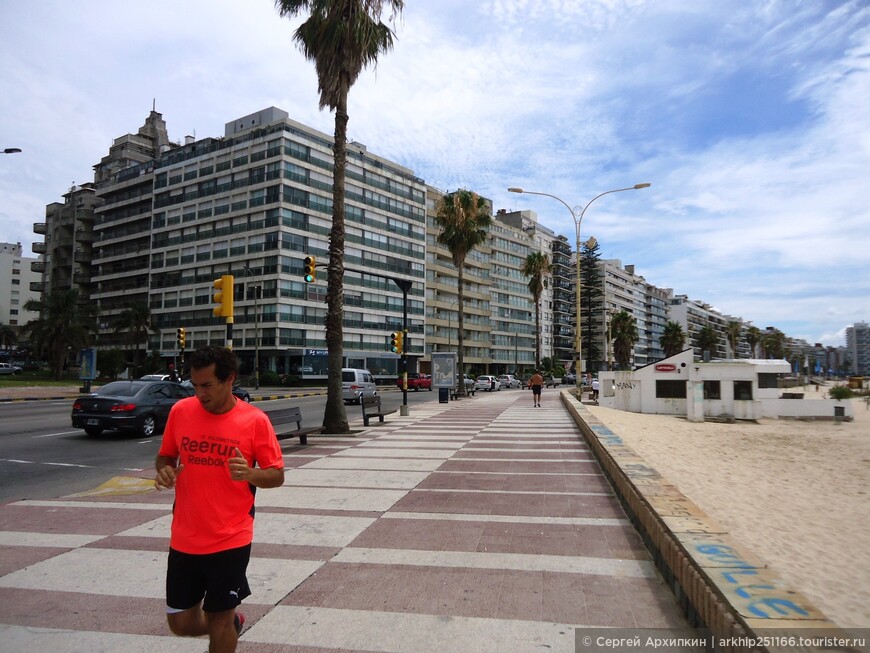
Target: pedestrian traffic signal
[[310, 269], [224, 296], [396, 344], [180, 337]]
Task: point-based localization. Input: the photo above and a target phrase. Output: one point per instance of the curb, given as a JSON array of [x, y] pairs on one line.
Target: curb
[[718, 583]]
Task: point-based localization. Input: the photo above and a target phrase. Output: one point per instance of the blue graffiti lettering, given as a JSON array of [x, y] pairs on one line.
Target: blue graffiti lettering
[[777, 605]]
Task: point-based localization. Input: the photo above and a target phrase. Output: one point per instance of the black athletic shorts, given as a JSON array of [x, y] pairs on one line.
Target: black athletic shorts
[[217, 577], [536, 389]]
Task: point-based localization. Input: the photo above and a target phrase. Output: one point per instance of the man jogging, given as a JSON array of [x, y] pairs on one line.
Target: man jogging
[[216, 452], [536, 383]]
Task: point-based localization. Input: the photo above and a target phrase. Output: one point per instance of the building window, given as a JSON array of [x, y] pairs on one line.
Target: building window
[[712, 390], [768, 380], [743, 391], [670, 389]]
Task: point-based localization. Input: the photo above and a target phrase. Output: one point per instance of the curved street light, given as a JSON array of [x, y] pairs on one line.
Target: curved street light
[[12, 150], [578, 365]]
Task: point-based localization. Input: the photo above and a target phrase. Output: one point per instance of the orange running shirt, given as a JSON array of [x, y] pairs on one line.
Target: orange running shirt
[[212, 512]]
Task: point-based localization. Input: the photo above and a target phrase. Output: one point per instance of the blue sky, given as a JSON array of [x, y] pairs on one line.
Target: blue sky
[[751, 120]]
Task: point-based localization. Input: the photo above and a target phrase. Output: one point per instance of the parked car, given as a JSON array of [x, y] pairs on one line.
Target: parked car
[[139, 406], [356, 383], [509, 381], [569, 378], [154, 377], [9, 368], [416, 381], [469, 382], [487, 383]]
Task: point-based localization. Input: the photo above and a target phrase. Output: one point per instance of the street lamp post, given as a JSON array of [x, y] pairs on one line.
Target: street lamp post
[[256, 333], [578, 220]]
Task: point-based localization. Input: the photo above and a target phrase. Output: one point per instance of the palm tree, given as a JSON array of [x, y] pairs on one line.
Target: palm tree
[[673, 340], [63, 323], [463, 218], [8, 337], [341, 37], [707, 340], [537, 267], [732, 334], [623, 329], [135, 322], [753, 337], [773, 344]]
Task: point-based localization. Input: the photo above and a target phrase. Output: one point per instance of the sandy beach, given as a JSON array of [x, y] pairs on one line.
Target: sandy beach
[[795, 493]]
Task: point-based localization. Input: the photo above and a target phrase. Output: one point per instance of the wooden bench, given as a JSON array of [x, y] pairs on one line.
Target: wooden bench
[[283, 417], [371, 407], [455, 394]]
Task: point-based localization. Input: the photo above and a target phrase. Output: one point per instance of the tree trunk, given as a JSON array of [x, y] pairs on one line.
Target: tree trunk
[[335, 417], [461, 320], [537, 333]]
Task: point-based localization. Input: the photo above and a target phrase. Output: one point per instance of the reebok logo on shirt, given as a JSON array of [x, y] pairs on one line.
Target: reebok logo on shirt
[[215, 453]]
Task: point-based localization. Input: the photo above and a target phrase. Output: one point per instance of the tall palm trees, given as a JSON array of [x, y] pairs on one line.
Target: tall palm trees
[[707, 340], [537, 267], [753, 337], [673, 339], [341, 37], [732, 334], [623, 329], [463, 218], [135, 323], [63, 324]]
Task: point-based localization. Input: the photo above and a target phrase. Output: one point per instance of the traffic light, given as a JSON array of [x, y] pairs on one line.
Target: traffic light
[[180, 337], [224, 296], [310, 269], [396, 344]]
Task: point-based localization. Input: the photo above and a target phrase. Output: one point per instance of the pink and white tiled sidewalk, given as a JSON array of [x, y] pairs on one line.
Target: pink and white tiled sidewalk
[[481, 525]]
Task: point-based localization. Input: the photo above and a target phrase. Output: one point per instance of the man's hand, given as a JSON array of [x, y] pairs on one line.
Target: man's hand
[[238, 465], [166, 477]]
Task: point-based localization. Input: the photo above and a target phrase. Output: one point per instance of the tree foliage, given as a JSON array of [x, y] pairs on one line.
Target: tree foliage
[[537, 268], [707, 340], [592, 304], [673, 339], [63, 324], [623, 330], [732, 333]]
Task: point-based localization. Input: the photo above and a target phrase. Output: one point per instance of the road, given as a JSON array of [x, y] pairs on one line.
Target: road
[[43, 457]]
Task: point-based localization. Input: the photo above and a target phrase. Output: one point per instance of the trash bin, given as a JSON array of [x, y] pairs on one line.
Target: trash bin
[[443, 395]]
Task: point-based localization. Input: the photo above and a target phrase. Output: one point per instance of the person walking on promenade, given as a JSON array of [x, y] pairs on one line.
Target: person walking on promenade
[[215, 452], [595, 387], [536, 383]]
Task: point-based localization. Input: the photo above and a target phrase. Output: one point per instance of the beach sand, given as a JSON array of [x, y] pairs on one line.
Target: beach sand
[[795, 493]]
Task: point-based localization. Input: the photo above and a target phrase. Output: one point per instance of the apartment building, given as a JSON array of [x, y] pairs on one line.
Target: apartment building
[[17, 281], [693, 316], [253, 204], [563, 283], [858, 348], [66, 250]]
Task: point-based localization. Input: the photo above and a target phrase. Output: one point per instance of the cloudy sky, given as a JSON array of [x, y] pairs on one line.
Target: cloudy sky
[[750, 119]]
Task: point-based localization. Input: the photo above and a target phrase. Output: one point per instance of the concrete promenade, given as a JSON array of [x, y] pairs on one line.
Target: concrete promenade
[[480, 525]]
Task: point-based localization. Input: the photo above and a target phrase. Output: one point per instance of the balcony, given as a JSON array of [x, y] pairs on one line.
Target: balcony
[[37, 266], [40, 228], [39, 248], [83, 236], [81, 278], [37, 286]]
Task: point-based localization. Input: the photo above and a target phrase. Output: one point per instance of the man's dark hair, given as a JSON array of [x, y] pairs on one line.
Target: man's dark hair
[[223, 359]]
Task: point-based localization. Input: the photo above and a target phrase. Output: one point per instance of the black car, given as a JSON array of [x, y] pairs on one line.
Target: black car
[[238, 391], [139, 406]]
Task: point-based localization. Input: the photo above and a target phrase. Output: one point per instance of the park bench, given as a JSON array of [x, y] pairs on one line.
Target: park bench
[[455, 394], [283, 418], [371, 407]]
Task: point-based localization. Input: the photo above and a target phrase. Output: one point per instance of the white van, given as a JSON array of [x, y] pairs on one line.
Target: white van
[[356, 382]]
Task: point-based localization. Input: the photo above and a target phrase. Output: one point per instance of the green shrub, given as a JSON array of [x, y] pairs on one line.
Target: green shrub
[[270, 378], [840, 392]]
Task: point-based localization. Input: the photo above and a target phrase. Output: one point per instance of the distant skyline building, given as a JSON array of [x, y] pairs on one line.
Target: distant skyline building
[[858, 347], [17, 278]]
